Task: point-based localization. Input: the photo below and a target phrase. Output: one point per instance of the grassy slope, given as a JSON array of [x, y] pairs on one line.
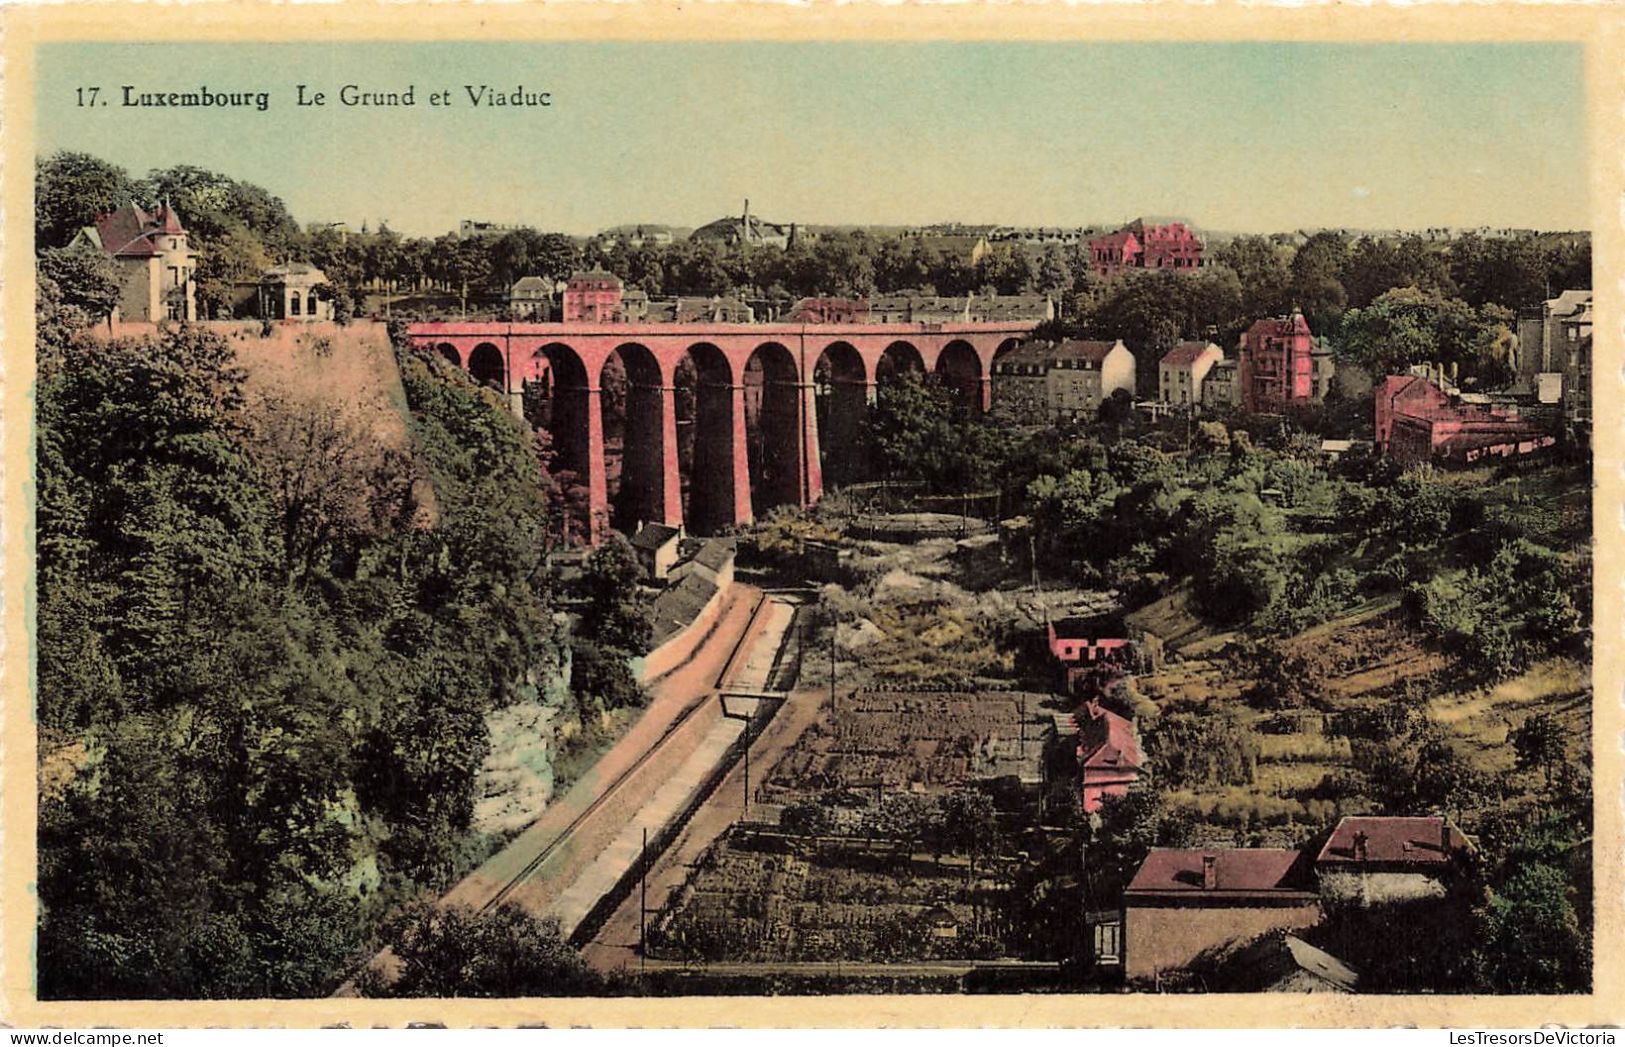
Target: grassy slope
[[1364, 654]]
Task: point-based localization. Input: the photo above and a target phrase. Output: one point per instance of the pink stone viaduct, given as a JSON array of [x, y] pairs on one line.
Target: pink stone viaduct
[[771, 367]]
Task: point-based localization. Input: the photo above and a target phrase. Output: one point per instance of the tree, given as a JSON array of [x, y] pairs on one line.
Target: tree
[[84, 278], [211, 204], [233, 256], [1509, 271], [1530, 935], [1377, 265], [1263, 274], [1540, 742], [615, 614], [1317, 284], [329, 482], [458, 951], [71, 189]]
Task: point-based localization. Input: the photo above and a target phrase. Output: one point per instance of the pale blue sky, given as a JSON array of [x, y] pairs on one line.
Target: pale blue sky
[[1257, 137]]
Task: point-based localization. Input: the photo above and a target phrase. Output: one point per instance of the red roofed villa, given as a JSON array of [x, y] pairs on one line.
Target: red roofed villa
[[1108, 755], [156, 263], [1388, 859], [1141, 246], [1183, 903]]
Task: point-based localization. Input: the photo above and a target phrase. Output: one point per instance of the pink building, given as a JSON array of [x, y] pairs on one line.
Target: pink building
[[1109, 759], [1420, 418], [1081, 640], [1277, 363], [593, 298], [1141, 246]]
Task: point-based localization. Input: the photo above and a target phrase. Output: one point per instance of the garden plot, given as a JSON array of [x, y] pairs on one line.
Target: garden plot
[[748, 905], [927, 742]]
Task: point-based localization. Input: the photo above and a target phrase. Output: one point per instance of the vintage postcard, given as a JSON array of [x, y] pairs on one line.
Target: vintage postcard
[[811, 516]]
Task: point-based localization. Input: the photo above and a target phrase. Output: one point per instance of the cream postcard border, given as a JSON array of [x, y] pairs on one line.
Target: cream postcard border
[[1599, 28]]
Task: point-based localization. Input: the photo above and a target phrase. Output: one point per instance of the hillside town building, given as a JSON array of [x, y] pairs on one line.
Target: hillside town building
[[1183, 369], [1221, 388], [1277, 364], [639, 235], [530, 298], [471, 229], [1554, 355], [914, 309], [1043, 382], [156, 263], [714, 310], [1422, 417], [829, 311], [593, 298], [1140, 245], [656, 546]]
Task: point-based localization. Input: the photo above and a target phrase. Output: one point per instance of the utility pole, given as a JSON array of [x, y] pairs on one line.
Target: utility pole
[[834, 626], [643, 901], [746, 736]]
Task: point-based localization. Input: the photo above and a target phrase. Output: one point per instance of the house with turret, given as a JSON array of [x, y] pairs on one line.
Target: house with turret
[[157, 266]]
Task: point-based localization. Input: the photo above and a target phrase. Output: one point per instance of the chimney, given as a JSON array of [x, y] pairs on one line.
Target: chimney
[[1210, 871], [1360, 839], [1444, 837]]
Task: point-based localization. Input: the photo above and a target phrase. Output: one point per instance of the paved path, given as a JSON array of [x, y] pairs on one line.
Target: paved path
[[566, 838], [615, 945], [749, 670]]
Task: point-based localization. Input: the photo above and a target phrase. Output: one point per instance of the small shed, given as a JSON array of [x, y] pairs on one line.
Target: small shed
[[656, 546]]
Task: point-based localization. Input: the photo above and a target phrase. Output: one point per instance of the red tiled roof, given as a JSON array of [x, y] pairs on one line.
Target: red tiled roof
[[127, 232], [1121, 238], [1240, 871], [1279, 326], [1106, 740], [1184, 354], [167, 221], [1391, 840]]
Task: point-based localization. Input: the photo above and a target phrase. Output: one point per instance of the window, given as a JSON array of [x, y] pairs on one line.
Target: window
[[293, 304], [310, 304]]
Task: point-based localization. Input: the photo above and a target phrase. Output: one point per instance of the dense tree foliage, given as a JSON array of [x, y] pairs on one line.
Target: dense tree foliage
[[266, 659], [449, 951]]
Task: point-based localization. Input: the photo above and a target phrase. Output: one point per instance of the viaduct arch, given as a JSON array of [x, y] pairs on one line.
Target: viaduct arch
[[766, 407]]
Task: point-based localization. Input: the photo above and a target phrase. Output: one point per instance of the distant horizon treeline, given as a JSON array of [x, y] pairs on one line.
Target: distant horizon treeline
[[240, 228]]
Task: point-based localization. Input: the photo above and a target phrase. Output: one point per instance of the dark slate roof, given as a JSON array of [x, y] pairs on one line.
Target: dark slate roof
[[715, 553], [1077, 349], [679, 605], [652, 536], [1026, 354]]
